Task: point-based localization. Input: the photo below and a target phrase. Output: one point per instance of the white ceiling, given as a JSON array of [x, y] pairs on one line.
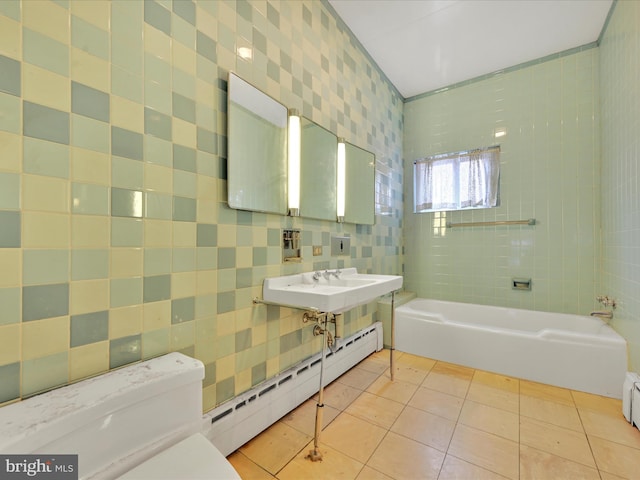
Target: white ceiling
[[424, 45]]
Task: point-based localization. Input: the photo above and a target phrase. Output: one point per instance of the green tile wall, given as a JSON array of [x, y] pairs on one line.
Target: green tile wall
[[116, 242], [570, 160], [620, 89], [550, 170]]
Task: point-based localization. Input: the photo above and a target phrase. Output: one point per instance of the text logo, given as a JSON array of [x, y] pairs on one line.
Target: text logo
[[49, 467]]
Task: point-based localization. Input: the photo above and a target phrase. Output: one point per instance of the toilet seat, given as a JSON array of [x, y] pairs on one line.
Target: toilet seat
[[194, 458]]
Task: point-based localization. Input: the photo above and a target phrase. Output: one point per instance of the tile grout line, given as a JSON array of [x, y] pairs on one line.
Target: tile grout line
[[387, 429], [446, 453], [465, 400], [584, 431]]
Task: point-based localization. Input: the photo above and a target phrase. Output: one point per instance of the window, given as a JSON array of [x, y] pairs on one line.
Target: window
[[457, 181]]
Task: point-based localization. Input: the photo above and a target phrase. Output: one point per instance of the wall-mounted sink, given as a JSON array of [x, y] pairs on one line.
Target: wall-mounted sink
[[329, 291]]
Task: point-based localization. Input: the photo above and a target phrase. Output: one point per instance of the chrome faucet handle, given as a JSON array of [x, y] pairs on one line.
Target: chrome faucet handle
[[316, 276], [606, 301]]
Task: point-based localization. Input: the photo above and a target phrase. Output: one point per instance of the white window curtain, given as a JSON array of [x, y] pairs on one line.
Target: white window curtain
[[454, 181]]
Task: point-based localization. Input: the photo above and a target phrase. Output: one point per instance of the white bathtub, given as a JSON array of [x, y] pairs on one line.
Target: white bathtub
[[571, 351]]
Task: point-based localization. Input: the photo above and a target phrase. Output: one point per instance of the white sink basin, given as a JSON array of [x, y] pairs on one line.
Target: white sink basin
[[329, 293]]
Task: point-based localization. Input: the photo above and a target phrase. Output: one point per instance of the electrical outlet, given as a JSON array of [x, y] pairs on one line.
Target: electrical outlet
[[317, 250]]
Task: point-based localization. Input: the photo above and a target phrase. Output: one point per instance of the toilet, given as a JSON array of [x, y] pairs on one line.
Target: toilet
[[142, 421]]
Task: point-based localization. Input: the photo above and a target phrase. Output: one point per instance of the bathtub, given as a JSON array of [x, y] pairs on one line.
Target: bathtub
[[571, 351]]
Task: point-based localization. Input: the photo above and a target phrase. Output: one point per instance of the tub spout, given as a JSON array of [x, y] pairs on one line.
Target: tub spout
[[604, 314]]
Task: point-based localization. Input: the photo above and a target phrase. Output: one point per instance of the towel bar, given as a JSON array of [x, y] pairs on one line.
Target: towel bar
[[531, 221]]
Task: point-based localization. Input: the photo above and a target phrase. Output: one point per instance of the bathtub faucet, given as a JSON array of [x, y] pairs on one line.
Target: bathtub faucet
[[604, 314], [606, 301]]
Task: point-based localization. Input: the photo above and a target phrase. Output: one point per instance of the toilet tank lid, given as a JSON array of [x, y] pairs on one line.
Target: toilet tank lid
[[62, 410]]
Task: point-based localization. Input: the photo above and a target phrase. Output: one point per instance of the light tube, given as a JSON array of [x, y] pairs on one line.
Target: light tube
[[342, 180], [293, 174]]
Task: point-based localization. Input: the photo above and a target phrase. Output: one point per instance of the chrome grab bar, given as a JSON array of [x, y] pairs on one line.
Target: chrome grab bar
[[531, 221]]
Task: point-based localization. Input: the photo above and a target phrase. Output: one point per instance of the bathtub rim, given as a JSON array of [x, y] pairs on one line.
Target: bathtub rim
[[606, 332]]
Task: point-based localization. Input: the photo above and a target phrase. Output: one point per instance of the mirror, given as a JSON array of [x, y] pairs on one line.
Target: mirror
[[257, 149], [257, 161], [360, 187], [318, 153]]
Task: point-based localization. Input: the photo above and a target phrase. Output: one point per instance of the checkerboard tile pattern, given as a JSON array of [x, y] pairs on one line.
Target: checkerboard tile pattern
[[116, 242]]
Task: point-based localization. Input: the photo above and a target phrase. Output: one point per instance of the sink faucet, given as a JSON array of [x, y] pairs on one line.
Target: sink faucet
[[316, 276], [336, 273]]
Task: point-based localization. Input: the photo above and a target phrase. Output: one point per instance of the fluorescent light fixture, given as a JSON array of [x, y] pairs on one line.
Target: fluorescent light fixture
[[342, 180], [293, 174]]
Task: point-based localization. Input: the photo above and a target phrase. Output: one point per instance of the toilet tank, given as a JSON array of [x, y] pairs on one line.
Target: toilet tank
[[113, 421]]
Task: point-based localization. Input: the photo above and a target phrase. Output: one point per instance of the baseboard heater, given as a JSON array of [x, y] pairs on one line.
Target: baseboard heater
[[631, 398], [232, 424]]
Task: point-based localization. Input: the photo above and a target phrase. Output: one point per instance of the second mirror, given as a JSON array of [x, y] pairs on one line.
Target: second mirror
[[318, 152]]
